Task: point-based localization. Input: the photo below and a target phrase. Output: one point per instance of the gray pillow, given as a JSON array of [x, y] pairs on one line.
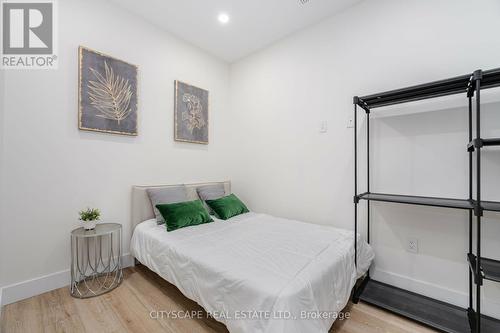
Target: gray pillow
[[211, 192], [166, 195]]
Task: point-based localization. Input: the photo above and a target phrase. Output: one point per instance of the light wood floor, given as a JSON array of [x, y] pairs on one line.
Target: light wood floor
[[127, 309]]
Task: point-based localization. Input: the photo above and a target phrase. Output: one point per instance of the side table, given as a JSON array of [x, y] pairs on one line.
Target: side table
[[96, 263]]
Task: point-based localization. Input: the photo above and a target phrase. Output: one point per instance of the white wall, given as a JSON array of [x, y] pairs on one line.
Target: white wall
[[284, 166], [51, 170]]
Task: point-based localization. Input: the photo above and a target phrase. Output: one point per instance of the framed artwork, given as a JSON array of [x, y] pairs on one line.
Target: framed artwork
[[107, 94], [190, 113]]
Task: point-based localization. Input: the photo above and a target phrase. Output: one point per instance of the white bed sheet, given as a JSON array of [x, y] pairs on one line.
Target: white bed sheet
[[256, 272]]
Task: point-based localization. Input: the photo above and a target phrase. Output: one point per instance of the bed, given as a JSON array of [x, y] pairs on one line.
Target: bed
[[253, 272]]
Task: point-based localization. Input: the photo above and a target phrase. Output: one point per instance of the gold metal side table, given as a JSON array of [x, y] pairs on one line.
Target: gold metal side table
[[96, 263]]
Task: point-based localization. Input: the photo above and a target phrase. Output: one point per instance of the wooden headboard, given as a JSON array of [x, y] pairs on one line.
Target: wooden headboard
[[142, 209]]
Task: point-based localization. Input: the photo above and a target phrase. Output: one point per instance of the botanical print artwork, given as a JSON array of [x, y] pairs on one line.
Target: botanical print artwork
[[108, 94], [191, 113]]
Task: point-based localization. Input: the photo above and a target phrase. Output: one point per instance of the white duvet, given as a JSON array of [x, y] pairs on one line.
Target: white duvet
[[258, 273]]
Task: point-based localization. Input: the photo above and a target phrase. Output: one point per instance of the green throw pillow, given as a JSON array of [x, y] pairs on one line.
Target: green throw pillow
[[184, 214], [227, 206]]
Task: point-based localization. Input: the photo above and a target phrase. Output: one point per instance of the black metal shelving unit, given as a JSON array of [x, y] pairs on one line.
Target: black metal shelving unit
[[437, 314]]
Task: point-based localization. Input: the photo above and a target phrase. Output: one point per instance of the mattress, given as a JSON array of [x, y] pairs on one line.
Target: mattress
[[258, 273]]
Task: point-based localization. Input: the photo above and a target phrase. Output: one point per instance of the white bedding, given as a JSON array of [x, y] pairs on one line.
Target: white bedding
[[256, 272]]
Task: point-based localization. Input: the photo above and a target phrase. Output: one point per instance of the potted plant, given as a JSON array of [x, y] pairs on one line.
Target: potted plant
[[89, 218]]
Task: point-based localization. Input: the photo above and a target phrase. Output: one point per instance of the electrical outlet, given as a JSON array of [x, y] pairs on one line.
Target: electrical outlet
[[350, 123], [412, 245]]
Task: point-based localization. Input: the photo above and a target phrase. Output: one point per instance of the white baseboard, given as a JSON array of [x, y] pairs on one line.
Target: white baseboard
[[128, 260], [459, 298], [22, 290]]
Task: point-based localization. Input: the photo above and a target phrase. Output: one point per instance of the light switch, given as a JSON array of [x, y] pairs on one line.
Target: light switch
[[323, 126]]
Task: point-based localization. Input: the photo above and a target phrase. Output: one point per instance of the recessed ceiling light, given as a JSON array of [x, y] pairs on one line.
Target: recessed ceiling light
[[223, 18]]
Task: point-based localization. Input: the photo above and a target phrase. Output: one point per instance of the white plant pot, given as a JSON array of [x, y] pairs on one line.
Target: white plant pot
[[89, 225]]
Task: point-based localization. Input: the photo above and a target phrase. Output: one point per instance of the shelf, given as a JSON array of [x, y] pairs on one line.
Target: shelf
[[486, 142], [417, 200], [491, 206], [490, 269], [491, 142], [431, 312], [456, 85], [429, 201]]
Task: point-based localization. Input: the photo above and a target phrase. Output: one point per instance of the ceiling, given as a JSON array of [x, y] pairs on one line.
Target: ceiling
[[253, 24]]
